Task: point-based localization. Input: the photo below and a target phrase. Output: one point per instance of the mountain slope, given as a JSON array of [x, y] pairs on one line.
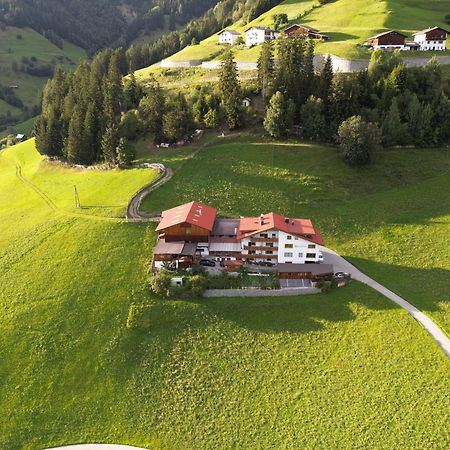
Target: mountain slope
[[349, 23], [27, 60]]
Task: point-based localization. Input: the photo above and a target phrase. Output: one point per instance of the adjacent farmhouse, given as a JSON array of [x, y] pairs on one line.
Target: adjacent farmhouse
[[228, 37], [388, 40], [259, 35], [305, 31], [191, 232], [431, 39]]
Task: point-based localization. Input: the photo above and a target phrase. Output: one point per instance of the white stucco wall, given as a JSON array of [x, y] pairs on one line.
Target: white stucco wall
[[425, 45], [228, 38], [300, 248]]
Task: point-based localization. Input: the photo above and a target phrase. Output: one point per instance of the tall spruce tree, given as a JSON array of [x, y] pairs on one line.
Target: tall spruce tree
[[74, 143], [266, 70], [230, 91], [110, 141], [394, 131]]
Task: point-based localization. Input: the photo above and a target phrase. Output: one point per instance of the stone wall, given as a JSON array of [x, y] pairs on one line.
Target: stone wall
[[218, 293]]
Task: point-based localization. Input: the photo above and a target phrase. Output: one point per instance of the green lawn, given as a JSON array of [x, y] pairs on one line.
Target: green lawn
[[392, 218], [344, 370], [349, 23]]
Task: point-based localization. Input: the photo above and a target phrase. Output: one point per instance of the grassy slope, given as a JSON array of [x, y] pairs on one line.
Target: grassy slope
[[340, 370], [348, 22], [31, 44], [392, 219]]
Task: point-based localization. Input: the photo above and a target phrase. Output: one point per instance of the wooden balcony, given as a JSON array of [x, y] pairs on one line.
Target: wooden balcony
[[260, 239], [261, 248]]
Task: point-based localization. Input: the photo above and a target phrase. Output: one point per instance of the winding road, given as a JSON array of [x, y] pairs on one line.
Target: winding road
[[342, 265]]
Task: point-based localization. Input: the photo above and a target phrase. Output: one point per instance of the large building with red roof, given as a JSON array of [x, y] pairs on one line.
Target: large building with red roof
[[269, 238]]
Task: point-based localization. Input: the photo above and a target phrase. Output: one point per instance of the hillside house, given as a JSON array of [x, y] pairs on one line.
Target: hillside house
[[259, 35], [193, 231], [305, 31], [388, 40], [228, 37], [434, 39], [279, 240]]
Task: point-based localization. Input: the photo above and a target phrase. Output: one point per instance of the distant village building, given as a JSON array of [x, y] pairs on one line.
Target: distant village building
[[431, 39], [20, 138], [388, 40], [228, 37], [434, 39], [259, 35], [305, 31]]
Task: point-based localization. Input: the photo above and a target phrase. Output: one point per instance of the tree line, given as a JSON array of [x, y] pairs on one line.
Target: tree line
[[389, 103]]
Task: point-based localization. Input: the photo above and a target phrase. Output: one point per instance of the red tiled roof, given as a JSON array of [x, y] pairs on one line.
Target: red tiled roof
[[193, 213], [249, 226]]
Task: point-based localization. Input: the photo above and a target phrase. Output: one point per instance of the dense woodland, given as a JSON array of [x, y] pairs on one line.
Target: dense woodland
[[387, 104], [90, 115], [97, 24]]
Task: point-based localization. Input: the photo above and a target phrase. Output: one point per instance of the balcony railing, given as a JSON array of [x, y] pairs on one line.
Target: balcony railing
[[262, 248]]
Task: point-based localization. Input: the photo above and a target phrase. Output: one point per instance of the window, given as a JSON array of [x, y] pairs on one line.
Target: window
[[310, 255], [274, 235], [251, 244], [289, 238], [270, 244], [311, 246], [270, 252], [288, 255], [300, 255], [288, 245], [264, 235]]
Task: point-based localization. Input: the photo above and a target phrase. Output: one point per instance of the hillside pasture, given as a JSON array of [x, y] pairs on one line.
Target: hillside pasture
[[349, 23], [17, 43], [391, 218], [344, 369]]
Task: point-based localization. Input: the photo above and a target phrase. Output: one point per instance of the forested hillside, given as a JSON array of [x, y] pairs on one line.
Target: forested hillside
[[95, 24]]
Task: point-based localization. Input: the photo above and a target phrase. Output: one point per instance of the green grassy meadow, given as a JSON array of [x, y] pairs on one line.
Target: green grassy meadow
[[349, 23], [392, 218], [344, 370]]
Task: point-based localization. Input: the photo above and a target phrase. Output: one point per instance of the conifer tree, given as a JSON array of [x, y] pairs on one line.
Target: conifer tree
[[74, 144], [151, 109], [110, 141], [279, 115], [266, 70], [230, 91], [394, 131], [125, 154], [313, 119]]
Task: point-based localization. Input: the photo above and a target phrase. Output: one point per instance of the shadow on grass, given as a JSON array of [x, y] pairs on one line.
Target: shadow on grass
[[164, 321]]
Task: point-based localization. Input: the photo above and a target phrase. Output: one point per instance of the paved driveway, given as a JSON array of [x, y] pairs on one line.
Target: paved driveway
[[342, 265]]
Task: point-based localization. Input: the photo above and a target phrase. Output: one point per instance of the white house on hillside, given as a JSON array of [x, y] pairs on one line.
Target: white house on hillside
[[228, 37], [276, 239], [434, 39], [259, 35]]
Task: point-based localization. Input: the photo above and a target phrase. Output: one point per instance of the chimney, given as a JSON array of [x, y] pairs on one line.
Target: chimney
[[261, 217], [286, 220]]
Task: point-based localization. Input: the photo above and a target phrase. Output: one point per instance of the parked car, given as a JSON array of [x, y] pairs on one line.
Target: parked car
[[341, 275], [207, 263]]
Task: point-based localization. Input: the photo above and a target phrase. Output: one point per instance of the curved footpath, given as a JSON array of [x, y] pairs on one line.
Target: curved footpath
[[342, 265], [133, 212]]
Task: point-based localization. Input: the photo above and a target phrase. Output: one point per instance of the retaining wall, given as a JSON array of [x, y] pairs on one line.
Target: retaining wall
[[167, 64], [217, 293]]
